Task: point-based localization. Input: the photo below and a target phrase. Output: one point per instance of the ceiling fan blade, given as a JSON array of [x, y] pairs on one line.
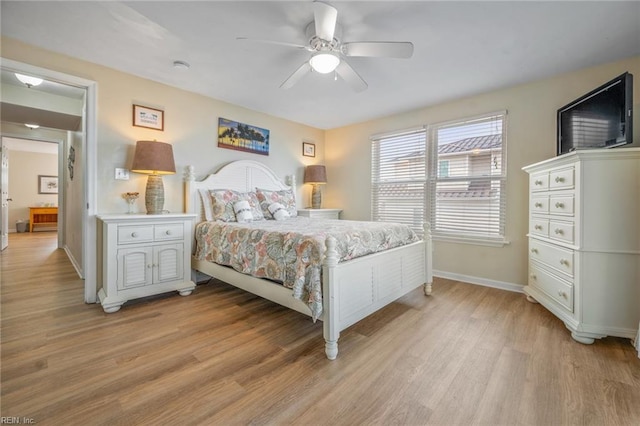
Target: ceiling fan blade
[[281, 43], [296, 76], [381, 49], [350, 75], [325, 17]]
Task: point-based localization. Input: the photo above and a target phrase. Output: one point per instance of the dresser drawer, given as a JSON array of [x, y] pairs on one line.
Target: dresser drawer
[[539, 182], [556, 288], [539, 226], [555, 257], [135, 234], [561, 205], [561, 179], [540, 204], [169, 231], [562, 231]]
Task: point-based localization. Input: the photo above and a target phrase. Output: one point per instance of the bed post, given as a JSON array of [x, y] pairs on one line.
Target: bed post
[[331, 325], [189, 178], [428, 263]]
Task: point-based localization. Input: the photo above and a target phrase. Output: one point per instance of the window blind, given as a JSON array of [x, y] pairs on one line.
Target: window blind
[[398, 178], [467, 178]]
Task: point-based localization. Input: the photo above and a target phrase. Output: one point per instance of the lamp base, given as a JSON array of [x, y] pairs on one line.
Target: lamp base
[[316, 197], [154, 196]]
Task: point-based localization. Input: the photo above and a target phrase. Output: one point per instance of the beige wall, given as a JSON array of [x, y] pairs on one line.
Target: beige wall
[[191, 122], [24, 168], [530, 138]]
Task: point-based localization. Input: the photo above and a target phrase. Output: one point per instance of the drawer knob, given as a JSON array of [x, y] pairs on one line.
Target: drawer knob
[[534, 277], [562, 294], [559, 231], [538, 227], [134, 234], [534, 250], [168, 232], [538, 204], [538, 182], [559, 179], [559, 205], [564, 262]]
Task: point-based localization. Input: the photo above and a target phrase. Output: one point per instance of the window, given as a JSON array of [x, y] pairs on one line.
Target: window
[[399, 179], [468, 194], [455, 179]]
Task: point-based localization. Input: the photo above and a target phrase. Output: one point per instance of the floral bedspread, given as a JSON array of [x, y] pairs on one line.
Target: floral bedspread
[[292, 251]]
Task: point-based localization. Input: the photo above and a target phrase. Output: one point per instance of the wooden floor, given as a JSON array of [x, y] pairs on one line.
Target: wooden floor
[[466, 355]]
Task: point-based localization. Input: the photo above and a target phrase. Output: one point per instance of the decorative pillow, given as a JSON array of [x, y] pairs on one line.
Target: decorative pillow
[[243, 211], [278, 211], [284, 197], [206, 204], [222, 201]]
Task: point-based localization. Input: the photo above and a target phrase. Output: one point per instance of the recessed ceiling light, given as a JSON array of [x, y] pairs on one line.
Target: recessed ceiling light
[[28, 80], [181, 65], [31, 125]]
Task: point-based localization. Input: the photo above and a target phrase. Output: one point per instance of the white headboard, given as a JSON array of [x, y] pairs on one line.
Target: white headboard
[[242, 176]]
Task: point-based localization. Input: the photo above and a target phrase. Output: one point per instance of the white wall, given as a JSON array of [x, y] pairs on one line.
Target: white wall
[[24, 168], [530, 138]]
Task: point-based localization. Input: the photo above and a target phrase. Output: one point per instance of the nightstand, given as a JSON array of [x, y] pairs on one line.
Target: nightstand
[[320, 213], [144, 255]]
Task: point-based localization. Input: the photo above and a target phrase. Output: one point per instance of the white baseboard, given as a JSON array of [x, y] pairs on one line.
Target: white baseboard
[[517, 288], [74, 262]]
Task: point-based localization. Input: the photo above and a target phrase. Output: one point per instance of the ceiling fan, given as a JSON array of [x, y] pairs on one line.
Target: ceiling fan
[[329, 53]]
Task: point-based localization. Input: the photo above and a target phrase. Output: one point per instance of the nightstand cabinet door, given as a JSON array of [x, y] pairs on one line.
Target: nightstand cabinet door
[[144, 255], [135, 267], [167, 263]]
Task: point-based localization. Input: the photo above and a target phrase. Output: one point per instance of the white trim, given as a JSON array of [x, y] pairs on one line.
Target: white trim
[[396, 133], [469, 240], [91, 164], [485, 282]]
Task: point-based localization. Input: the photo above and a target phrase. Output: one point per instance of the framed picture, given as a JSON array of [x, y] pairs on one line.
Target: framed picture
[[308, 149], [47, 184], [148, 117], [242, 137]]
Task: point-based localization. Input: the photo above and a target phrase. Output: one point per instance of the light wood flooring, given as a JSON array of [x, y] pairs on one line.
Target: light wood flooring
[[468, 355]]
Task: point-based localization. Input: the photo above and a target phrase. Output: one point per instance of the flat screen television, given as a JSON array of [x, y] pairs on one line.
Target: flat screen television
[[600, 119]]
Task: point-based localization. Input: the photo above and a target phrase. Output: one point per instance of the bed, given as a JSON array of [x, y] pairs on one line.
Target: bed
[[350, 289]]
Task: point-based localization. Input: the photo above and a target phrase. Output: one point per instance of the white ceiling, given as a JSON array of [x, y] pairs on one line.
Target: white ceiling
[[461, 48]]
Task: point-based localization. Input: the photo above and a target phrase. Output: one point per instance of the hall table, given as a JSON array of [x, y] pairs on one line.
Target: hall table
[[42, 216]]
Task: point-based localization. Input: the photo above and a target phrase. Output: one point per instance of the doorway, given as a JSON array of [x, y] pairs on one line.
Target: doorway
[[83, 203]]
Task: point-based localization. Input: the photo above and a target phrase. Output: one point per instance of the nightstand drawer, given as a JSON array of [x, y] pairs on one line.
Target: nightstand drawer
[[540, 204], [169, 231], [135, 234]]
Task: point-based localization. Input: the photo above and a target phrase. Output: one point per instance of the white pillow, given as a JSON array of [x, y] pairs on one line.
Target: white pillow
[[278, 211], [243, 211], [206, 204]]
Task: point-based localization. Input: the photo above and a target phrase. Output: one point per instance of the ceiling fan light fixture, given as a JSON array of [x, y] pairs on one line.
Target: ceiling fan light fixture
[[28, 80], [32, 125], [324, 62]]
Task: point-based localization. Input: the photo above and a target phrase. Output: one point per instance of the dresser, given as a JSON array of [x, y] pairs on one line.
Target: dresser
[[144, 255], [320, 213], [43, 216], [584, 241]]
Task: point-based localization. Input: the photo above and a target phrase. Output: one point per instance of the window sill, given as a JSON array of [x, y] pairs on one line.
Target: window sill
[[474, 241]]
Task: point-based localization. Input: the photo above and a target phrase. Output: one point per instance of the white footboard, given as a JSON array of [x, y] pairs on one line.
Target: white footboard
[[355, 289]]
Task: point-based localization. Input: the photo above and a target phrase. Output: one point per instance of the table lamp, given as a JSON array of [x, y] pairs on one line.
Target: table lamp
[[154, 159], [315, 175]]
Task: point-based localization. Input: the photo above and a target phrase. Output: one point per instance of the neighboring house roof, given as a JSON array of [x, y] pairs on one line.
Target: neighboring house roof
[[463, 145], [470, 144]]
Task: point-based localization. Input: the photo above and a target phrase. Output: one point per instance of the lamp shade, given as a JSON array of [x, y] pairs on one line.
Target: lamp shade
[[153, 157], [315, 174]]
